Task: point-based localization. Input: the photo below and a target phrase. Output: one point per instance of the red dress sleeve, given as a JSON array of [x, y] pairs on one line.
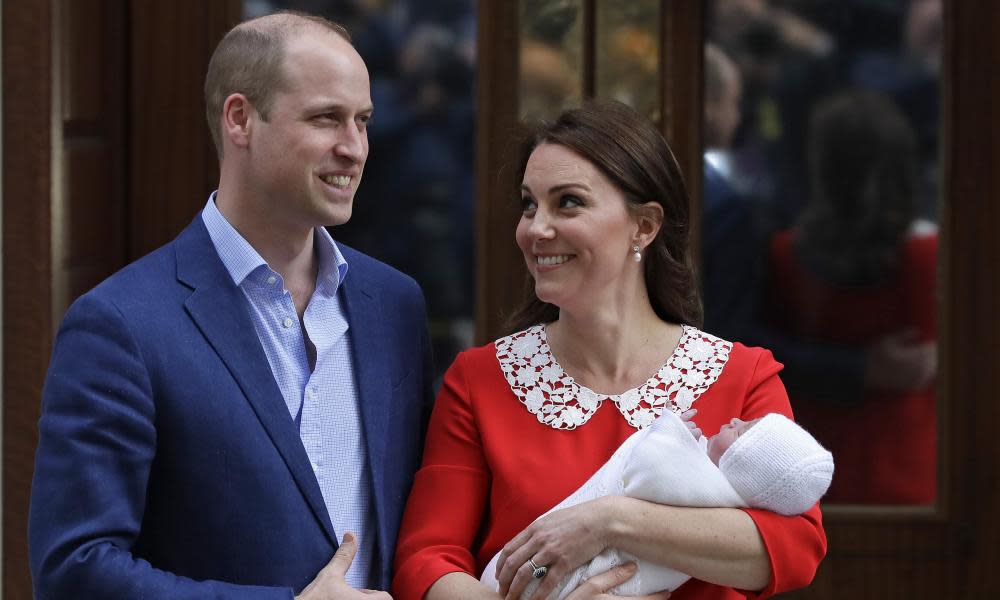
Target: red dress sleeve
[[449, 493], [795, 545]]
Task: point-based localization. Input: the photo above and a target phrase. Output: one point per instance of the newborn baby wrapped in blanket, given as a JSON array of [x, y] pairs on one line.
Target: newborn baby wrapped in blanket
[[774, 464]]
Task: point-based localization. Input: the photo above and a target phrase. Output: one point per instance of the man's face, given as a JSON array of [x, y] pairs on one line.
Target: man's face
[[308, 157]]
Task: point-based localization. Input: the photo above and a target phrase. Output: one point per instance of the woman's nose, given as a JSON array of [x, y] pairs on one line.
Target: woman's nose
[[541, 226]]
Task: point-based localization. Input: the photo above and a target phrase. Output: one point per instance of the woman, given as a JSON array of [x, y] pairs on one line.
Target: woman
[[605, 342], [859, 270]]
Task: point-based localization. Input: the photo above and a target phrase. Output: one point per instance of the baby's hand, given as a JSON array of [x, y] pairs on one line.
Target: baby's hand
[[686, 417]]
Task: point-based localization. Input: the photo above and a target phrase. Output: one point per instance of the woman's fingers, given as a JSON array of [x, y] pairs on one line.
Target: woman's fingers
[[512, 579], [596, 587], [598, 584], [549, 582], [524, 576], [510, 547], [512, 557]]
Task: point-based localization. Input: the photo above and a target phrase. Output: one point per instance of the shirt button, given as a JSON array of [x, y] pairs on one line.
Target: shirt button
[[271, 280], [315, 467], [287, 322]]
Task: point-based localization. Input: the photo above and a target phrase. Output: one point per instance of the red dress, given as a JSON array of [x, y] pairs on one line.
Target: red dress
[[491, 465], [875, 464]]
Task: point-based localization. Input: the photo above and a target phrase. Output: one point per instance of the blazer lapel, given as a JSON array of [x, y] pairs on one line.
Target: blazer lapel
[[369, 352], [217, 307]]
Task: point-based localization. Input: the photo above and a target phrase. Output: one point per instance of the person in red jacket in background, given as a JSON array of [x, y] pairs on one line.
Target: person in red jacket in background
[[859, 270]]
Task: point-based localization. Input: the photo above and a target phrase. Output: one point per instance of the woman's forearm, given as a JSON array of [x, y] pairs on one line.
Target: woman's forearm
[[717, 545], [460, 586]]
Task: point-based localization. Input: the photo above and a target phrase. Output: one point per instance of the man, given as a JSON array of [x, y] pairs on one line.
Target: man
[[222, 415]]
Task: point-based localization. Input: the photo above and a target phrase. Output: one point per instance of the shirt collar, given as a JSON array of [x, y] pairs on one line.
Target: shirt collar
[[332, 264], [240, 258]]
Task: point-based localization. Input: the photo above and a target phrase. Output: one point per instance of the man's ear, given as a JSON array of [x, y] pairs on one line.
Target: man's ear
[[648, 220], [237, 113]]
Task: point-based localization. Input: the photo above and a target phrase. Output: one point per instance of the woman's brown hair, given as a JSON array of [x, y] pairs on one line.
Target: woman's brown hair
[[863, 170], [629, 150]]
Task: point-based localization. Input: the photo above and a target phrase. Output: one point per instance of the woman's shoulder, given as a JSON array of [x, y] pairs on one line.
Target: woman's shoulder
[[519, 343], [502, 350], [740, 359], [752, 354], [733, 350], [748, 387], [472, 363]]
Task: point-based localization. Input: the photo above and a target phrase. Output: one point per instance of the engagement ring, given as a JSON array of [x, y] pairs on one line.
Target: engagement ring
[[538, 571]]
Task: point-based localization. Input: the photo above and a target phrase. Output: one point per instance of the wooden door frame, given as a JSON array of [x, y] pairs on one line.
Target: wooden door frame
[[27, 38], [169, 166]]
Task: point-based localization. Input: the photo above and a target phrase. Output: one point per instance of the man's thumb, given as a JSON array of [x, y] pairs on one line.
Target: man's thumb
[[344, 556]]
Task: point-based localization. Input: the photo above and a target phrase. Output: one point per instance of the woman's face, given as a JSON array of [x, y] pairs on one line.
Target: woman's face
[[575, 231], [720, 442]]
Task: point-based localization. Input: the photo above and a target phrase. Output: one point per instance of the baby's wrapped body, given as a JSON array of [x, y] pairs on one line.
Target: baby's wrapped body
[[774, 465]]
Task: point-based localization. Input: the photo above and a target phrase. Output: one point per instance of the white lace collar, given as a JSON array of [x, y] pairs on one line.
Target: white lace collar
[[561, 403]]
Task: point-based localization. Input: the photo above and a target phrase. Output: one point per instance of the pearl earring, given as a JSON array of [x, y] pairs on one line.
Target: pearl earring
[[636, 255]]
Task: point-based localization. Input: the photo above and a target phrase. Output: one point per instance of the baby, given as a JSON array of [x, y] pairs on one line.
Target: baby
[[769, 463]]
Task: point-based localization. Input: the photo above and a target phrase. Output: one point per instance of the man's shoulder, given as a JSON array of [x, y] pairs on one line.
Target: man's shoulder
[[144, 276], [376, 272], [146, 283], [159, 270]]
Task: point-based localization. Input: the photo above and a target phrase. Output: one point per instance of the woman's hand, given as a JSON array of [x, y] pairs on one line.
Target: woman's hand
[[595, 587], [561, 541]]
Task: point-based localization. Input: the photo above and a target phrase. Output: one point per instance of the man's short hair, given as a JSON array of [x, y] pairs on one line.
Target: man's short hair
[[249, 61]]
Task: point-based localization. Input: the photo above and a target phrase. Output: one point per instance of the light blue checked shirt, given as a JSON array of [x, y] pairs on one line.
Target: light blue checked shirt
[[324, 401]]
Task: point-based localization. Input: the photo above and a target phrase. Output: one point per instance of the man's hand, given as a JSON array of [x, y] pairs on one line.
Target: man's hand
[[329, 583]]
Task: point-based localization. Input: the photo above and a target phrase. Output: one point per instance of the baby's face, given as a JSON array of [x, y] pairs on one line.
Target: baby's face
[[720, 442]]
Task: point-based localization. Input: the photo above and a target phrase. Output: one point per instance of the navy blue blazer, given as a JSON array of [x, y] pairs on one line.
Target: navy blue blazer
[[168, 465]]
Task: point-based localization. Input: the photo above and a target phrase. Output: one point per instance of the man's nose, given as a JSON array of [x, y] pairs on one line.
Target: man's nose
[[351, 144]]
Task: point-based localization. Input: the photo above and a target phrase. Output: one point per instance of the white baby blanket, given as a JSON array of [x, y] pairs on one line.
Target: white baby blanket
[[662, 463]]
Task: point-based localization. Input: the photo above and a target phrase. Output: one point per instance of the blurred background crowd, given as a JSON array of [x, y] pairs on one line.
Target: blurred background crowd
[[819, 195]]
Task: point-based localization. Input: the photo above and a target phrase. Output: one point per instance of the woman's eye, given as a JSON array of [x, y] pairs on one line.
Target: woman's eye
[[570, 201], [527, 204]]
